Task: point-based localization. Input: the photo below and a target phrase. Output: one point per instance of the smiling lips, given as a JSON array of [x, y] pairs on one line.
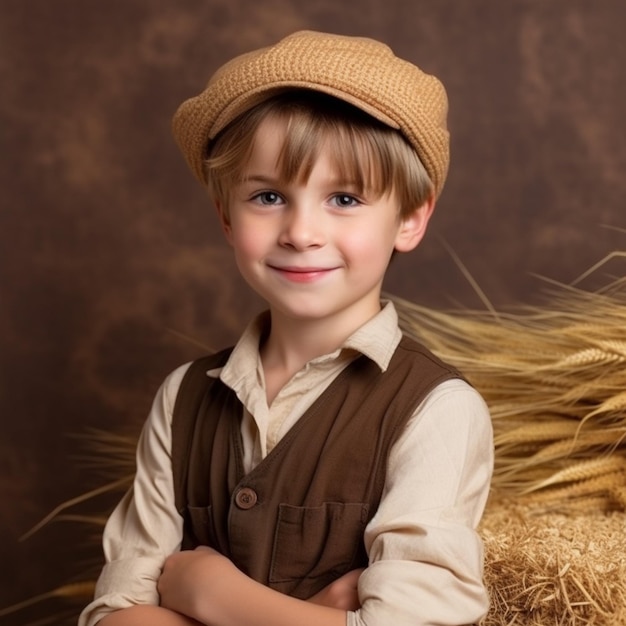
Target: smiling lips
[[302, 274]]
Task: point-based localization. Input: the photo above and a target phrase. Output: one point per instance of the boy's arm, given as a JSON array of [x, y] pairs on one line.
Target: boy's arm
[[426, 558], [145, 527], [340, 594], [205, 585], [146, 615]]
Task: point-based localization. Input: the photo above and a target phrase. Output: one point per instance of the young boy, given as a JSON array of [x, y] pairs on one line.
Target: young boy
[[326, 471]]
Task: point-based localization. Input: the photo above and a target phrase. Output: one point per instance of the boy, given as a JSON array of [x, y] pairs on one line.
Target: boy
[[328, 471]]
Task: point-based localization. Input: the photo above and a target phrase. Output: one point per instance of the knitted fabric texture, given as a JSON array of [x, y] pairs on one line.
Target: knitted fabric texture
[[358, 70]]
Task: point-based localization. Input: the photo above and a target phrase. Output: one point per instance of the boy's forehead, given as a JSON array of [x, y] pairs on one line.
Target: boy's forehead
[[267, 143], [275, 134], [267, 147]]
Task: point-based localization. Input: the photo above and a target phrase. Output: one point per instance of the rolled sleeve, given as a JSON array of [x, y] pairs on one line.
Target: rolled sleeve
[[140, 576], [426, 558], [145, 527]]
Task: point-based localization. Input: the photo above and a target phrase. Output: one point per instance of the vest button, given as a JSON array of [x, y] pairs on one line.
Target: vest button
[[246, 498]]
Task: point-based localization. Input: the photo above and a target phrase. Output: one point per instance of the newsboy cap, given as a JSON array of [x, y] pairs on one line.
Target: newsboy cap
[[361, 71]]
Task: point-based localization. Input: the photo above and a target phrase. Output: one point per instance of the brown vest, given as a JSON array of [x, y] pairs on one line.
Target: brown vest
[[296, 521]]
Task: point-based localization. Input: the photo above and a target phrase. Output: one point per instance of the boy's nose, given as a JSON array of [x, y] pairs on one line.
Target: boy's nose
[[302, 228]]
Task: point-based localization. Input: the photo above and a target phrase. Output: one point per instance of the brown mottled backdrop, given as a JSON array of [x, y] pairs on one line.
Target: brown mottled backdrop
[[108, 245]]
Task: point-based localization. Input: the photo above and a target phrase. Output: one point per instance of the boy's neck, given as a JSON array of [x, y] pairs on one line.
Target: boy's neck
[[291, 344]]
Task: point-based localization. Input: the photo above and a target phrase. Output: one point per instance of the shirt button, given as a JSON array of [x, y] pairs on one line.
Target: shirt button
[[246, 498]]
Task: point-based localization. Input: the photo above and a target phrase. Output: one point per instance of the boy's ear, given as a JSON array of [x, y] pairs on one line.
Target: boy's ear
[[224, 221], [413, 227]]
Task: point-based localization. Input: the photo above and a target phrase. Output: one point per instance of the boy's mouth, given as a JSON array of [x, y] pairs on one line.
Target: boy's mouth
[[298, 274]]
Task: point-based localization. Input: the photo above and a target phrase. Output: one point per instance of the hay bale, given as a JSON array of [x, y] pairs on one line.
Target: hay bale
[[547, 568]]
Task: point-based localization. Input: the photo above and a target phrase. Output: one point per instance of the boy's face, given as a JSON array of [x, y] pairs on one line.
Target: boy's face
[[314, 249]]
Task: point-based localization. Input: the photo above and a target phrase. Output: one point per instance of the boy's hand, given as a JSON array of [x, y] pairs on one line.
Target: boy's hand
[[191, 579], [341, 593]]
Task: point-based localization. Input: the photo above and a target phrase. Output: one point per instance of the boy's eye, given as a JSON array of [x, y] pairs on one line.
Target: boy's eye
[[267, 198], [344, 200]]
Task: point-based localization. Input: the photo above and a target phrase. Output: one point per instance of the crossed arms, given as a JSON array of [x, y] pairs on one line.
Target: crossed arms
[[202, 587]]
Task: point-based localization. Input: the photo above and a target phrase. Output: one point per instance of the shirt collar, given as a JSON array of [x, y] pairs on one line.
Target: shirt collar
[[377, 339]]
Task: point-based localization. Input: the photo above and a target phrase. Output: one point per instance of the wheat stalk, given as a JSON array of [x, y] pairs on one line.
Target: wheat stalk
[[554, 377], [70, 591]]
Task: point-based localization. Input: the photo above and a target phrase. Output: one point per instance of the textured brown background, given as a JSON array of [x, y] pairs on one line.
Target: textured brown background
[[107, 243]]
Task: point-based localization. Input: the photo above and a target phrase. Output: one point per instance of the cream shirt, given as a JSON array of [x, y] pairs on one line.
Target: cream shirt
[[425, 556]]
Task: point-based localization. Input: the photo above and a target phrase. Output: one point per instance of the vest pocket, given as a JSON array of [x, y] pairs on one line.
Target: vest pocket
[[317, 542]]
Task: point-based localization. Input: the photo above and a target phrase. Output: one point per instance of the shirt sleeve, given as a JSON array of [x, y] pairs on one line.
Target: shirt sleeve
[[145, 527], [425, 556]]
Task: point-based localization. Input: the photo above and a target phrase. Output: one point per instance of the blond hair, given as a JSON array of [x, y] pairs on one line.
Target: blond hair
[[376, 157]]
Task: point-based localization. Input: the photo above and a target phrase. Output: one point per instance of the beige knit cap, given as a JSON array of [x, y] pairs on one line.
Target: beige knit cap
[[361, 71]]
